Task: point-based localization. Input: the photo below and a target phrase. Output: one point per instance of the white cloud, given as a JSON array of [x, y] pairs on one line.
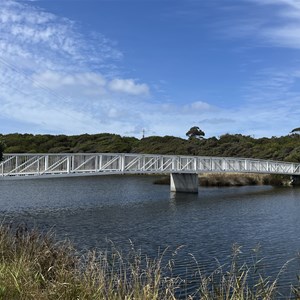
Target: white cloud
[[47, 40], [199, 105], [290, 3], [283, 36], [280, 26], [50, 75], [54, 78], [129, 86]]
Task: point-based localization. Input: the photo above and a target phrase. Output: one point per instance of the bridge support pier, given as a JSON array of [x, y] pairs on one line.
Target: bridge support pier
[[184, 182], [295, 180]]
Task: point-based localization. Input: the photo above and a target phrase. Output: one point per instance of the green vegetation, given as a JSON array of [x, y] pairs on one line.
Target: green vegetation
[[221, 179], [285, 148], [195, 132], [35, 266], [232, 179], [296, 130], [2, 146]]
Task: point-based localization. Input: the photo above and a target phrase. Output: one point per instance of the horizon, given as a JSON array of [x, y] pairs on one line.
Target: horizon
[[76, 67], [148, 136]]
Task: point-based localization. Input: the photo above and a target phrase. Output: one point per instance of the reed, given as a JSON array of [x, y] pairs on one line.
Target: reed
[[234, 179], [36, 266]]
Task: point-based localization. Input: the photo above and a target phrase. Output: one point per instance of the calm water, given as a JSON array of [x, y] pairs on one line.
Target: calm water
[[92, 210]]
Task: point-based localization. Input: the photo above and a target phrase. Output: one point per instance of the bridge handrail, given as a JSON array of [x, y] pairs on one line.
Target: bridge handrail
[[20, 164], [145, 154]]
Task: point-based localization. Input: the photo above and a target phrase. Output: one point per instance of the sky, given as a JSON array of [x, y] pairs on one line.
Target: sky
[[162, 66]]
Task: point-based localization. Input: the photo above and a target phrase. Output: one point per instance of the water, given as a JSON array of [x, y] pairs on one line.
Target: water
[[92, 210]]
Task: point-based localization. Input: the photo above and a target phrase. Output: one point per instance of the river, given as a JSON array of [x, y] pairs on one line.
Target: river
[[92, 210]]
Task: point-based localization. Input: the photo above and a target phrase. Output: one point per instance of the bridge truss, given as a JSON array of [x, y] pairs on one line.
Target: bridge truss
[[21, 165]]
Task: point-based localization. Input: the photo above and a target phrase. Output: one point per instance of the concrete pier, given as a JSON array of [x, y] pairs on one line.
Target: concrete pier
[[295, 180], [184, 183]]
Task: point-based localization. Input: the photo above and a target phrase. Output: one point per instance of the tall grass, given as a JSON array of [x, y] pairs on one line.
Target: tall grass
[[235, 179], [35, 266]]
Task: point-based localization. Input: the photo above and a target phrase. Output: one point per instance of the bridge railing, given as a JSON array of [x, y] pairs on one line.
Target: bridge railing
[[51, 164]]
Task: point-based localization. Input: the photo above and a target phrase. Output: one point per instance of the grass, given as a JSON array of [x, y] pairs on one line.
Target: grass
[[35, 266]]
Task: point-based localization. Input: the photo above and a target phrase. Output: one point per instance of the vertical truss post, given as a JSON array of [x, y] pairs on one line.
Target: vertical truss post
[[122, 163], [17, 162], [46, 162], [96, 162], [223, 164], [173, 163], [142, 168], [100, 162], [68, 164], [38, 165], [73, 161]]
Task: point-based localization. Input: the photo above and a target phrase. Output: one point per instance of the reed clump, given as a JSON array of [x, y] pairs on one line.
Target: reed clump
[[234, 179], [35, 266], [243, 179]]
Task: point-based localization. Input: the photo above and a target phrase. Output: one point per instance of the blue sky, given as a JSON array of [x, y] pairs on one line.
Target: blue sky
[[121, 66]]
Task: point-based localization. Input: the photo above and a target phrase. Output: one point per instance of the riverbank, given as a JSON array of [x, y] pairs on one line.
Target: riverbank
[[235, 179], [36, 266]]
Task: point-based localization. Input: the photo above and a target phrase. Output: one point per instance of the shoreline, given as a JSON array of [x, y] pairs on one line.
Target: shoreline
[[234, 179], [37, 266]]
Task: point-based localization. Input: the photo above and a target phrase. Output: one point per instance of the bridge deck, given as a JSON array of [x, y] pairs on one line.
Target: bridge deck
[[24, 165]]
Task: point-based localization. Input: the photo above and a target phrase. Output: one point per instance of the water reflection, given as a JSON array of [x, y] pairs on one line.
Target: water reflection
[[92, 210]]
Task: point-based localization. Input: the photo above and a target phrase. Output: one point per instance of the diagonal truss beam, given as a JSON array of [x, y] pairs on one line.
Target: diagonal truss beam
[[51, 164]]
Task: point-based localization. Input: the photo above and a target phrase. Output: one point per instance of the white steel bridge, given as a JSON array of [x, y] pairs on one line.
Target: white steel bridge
[[38, 165], [183, 170]]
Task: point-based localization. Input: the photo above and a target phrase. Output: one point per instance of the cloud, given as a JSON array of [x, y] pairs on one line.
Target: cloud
[[198, 105], [128, 86], [272, 101], [60, 80], [283, 36], [217, 121], [279, 26], [289, 3], [57, 78], [32, 35]]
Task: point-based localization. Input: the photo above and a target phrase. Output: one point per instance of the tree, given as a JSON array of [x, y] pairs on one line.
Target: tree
[[296, 130], [195, 132], [1, 150]]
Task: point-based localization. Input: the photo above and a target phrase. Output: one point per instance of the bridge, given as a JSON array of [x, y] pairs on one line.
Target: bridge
[[184, 170]]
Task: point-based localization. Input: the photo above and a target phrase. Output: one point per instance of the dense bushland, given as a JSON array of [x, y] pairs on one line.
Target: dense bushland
[[277, 148]]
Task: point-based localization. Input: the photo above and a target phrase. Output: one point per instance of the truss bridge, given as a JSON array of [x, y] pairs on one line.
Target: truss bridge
[[183, 169]]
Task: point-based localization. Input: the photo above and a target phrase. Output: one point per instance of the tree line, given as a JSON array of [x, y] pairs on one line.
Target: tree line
[[284, 148]]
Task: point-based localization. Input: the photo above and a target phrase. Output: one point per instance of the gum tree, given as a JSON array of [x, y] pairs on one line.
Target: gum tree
[[195, 132]]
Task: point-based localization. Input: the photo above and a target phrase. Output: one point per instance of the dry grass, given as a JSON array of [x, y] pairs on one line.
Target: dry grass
[[234, 179], [219, 179], [238, 179], [35, 266]]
